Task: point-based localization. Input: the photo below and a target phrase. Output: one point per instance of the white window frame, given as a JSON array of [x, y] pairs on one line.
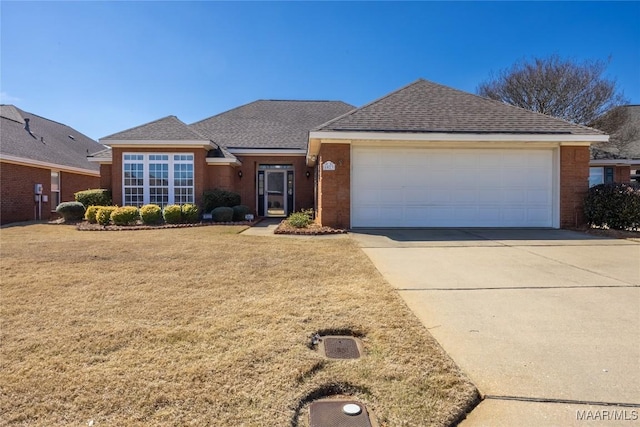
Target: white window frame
[[172, 159], [57, 192]]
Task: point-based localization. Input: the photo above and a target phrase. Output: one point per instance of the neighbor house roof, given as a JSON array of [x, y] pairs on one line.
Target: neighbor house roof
[[169, 128], [269, 124], [625, 140], [32, 139], [426, 107]]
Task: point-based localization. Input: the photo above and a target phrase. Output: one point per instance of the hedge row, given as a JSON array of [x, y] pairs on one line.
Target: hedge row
[[614, 206], [148, 214]]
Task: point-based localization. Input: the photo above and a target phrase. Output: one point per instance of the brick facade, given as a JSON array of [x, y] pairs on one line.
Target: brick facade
[[211, 176], [574, 184], [334, 187], [17, 191]]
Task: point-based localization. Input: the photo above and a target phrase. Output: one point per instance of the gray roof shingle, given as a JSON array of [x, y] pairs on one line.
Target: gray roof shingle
[[269, 123], [48, 141], [423, 106], [629, 132], [168, 128]]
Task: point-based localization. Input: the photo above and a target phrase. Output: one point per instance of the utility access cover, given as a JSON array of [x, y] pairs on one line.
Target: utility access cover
[[332, 413], [341, 348]]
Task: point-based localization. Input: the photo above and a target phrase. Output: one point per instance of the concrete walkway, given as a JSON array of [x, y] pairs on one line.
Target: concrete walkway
[[546, 323]]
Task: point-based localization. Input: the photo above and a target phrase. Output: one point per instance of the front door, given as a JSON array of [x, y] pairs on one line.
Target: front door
[[276, 197], [275, 190]]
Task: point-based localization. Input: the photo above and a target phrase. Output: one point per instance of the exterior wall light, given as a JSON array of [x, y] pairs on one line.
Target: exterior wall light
[[240, 174]]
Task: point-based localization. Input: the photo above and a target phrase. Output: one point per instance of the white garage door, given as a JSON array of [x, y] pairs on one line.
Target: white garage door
[[414, 187]]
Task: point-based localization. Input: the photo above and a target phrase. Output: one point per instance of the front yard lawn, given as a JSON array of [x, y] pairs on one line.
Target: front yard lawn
[[202, 326]]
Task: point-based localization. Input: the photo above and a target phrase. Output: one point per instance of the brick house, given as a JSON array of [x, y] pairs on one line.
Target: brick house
[[257, 150], [38, 151], [428, 155], [425, 155]]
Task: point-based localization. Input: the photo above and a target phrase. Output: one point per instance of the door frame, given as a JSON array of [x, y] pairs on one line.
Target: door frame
[[288, 188]]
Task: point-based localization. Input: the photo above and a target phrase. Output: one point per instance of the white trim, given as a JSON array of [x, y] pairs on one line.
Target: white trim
[[47, 165], [160, 143], [100, 160], [614, 162], [222, 161], [268, 152], [476, 137]]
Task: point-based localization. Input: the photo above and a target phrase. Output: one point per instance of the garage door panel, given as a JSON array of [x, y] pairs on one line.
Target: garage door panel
[[411, 187]]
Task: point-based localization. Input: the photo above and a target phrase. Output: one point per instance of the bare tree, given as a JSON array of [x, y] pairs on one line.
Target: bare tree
[[577, 92], [623, 129]]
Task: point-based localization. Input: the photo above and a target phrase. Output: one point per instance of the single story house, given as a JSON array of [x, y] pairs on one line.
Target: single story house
[[618, 160], [42, 162], [425, 155], [257, 150]]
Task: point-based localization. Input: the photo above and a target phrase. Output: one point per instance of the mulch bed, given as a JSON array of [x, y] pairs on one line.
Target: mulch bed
[[311, 230], [616, 234]]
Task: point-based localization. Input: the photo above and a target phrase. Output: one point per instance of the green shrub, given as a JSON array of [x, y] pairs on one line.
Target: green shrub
[[97, 197], [190, 213], [103, 216], [125, 215], [299, 219], [222, 214], [216, 198], [239, 212], [613, 205], [71, 211], [172, 214], [90, 214], [151, 214]]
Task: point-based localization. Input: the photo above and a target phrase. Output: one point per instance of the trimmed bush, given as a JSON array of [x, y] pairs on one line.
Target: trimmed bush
[[96, 197], [222, 214], [151, 214], [103, 216], [172, 214], [71, 211], [90, 214], [299, 219], [125, 215], [615, 206], [239, 212], [190, 213], [216, 198]]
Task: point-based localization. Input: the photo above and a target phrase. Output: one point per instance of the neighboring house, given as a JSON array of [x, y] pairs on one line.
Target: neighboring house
[[257, 150], [428, 155], [618, 160], [38, 155], [425, 155]]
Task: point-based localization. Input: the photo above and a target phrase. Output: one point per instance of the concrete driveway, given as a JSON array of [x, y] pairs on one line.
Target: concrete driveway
[[546, 323]]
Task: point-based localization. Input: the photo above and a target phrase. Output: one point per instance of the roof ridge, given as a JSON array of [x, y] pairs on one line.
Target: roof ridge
[[348, 113], [147, 124]]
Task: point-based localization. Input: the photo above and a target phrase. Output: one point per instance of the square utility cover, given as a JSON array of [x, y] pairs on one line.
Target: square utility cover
[[330, 413], [341, 348]]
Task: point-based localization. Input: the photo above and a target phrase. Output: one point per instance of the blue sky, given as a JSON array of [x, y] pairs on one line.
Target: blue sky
[[102, 67]]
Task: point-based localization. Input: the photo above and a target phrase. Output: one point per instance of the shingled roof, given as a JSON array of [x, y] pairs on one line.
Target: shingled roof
[[169, 128], [424, 106], [269, 123], [45, 141]]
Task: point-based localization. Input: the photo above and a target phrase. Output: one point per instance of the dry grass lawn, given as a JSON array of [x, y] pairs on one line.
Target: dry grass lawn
[[202, 326]]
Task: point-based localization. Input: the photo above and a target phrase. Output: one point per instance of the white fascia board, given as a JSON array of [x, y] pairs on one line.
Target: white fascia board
[[47, 165], [619, 162], [223, 161], [268, 151], [161, 143], [455, 137], [105, 160]]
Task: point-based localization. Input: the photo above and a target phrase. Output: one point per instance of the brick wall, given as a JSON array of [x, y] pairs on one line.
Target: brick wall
[[574, 184], [105, 176], [247, 186], [334, 187], [622, 174], [17, 191]]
